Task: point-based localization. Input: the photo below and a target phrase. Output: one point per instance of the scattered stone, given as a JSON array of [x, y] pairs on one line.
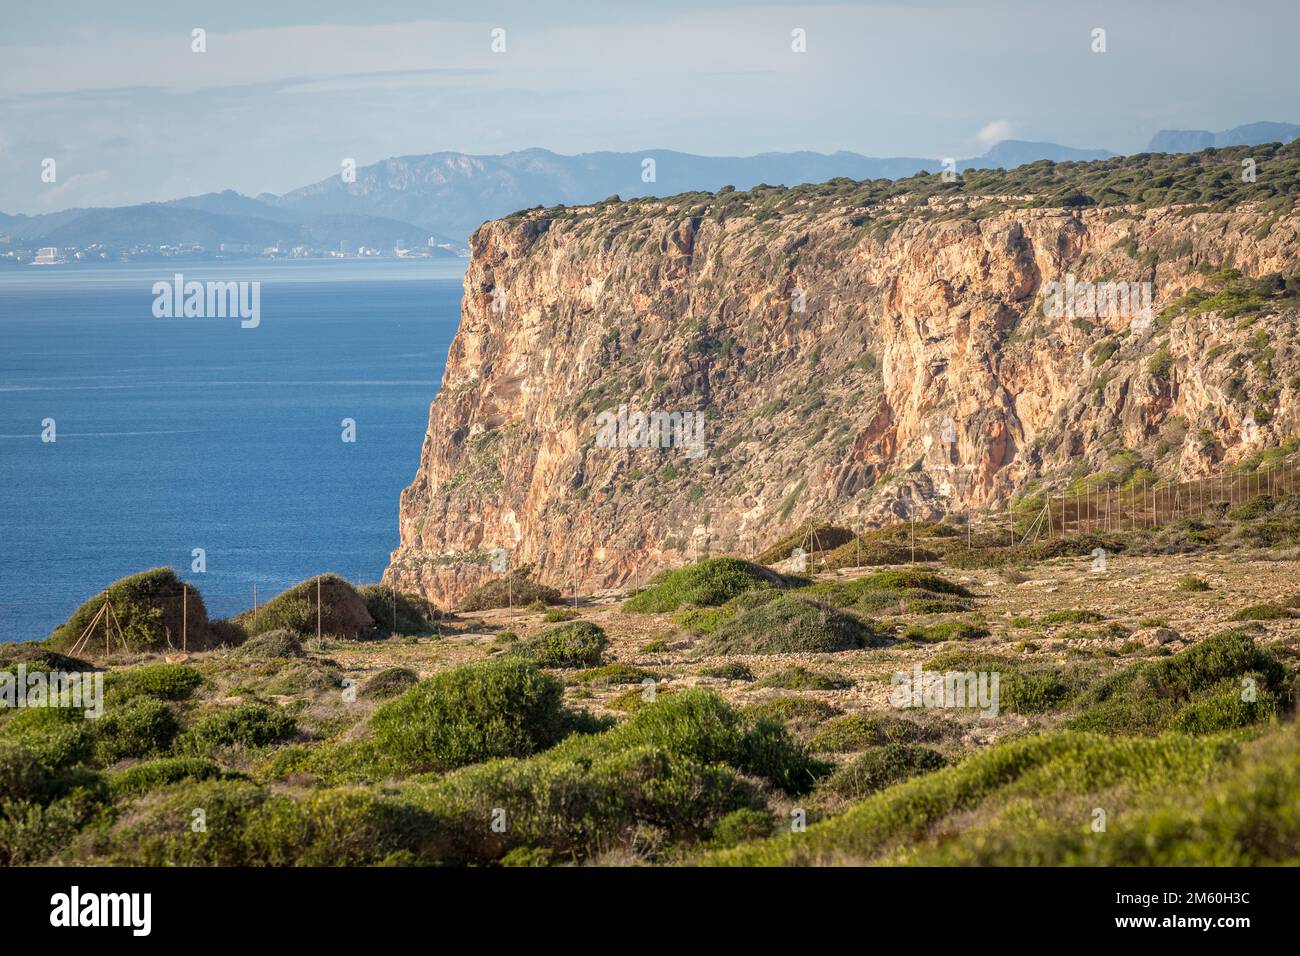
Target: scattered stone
[[1154, 636]]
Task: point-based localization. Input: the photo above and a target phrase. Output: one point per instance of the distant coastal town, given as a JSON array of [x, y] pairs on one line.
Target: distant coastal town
[[15, 252]]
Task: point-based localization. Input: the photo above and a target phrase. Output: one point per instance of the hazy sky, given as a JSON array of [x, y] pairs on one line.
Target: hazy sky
[[286, 89]]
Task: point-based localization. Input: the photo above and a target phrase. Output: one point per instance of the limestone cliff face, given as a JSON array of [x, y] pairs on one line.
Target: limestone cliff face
[[843, 373]]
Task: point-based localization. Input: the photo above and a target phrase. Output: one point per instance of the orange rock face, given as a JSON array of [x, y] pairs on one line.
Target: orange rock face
[[842, 375]]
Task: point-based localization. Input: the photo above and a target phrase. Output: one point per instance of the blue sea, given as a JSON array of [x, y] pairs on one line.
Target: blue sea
[[177, 434]]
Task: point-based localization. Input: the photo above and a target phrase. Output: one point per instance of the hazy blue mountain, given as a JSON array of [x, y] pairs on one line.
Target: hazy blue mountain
[[211, 220], [231, 203], [447, 195], [1195, 140], [1015, 152], [455, 192]]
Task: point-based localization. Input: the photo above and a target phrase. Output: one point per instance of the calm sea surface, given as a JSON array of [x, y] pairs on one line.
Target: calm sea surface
[[176, 434]]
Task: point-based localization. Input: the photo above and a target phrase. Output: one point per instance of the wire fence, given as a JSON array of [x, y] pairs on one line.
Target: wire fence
[[1087, 507]]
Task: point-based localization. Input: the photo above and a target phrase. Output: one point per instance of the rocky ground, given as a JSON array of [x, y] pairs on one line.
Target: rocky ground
[[1138, 596]]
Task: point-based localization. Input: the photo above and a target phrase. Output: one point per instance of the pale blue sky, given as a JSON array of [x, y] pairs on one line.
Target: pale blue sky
[[287, 89]]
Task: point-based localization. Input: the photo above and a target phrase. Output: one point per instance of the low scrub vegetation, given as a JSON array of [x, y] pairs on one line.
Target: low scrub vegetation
[[707, 583], [792, 624]]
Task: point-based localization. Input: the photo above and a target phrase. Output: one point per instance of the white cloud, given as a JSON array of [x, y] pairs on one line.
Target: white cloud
[[995, 132]]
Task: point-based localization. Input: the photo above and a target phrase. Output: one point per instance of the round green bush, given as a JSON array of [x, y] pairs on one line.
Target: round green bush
[[163, 681], [278, 644], [138, 728], [303, 677], [144, 777], [247, 725], [576, 644], [389, 682], [396, 612], [21, 775], [342, 611], [741, 825], [58, 737], [151, 608], [882, 767], [793, 624], [708, 583], [501, 708], [517, 590]]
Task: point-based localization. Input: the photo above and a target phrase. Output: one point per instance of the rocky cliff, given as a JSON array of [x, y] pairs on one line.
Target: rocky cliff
[[855, 351]]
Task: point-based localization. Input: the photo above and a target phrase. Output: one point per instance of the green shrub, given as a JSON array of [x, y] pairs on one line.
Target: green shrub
[[303, 677], [790, 709], [1053, 769], [1258, 507], [1148, 696], [793, 624], [608, 796], [882, 767], [22, 776], [517, 589], [895, 591], [140, 727], [36, 656], [1190, 582], [558, 614], [676, 767], [613, 674], [728, 670], [1261, 612], [337, 827], [798, 677], [1036, 690], [327, 601], [32, 832], [860, 731], [57, 736], [246, 725], [1160, 363], [1225, 709], [635, 698], [156, 774], [945, 631], [576, 644], [699, 724], [907, 579], [741, 825], [529, 856], [160, 833], [501, 708], [389, 682], [1071, 617], [163, 681], [1181, 810], [396, 612], [149, 607], [279, 644], [707, 583], [814, 539]]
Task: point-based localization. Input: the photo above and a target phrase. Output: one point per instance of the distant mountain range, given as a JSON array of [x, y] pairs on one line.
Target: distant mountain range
[[446, 196], [1195, 140]]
